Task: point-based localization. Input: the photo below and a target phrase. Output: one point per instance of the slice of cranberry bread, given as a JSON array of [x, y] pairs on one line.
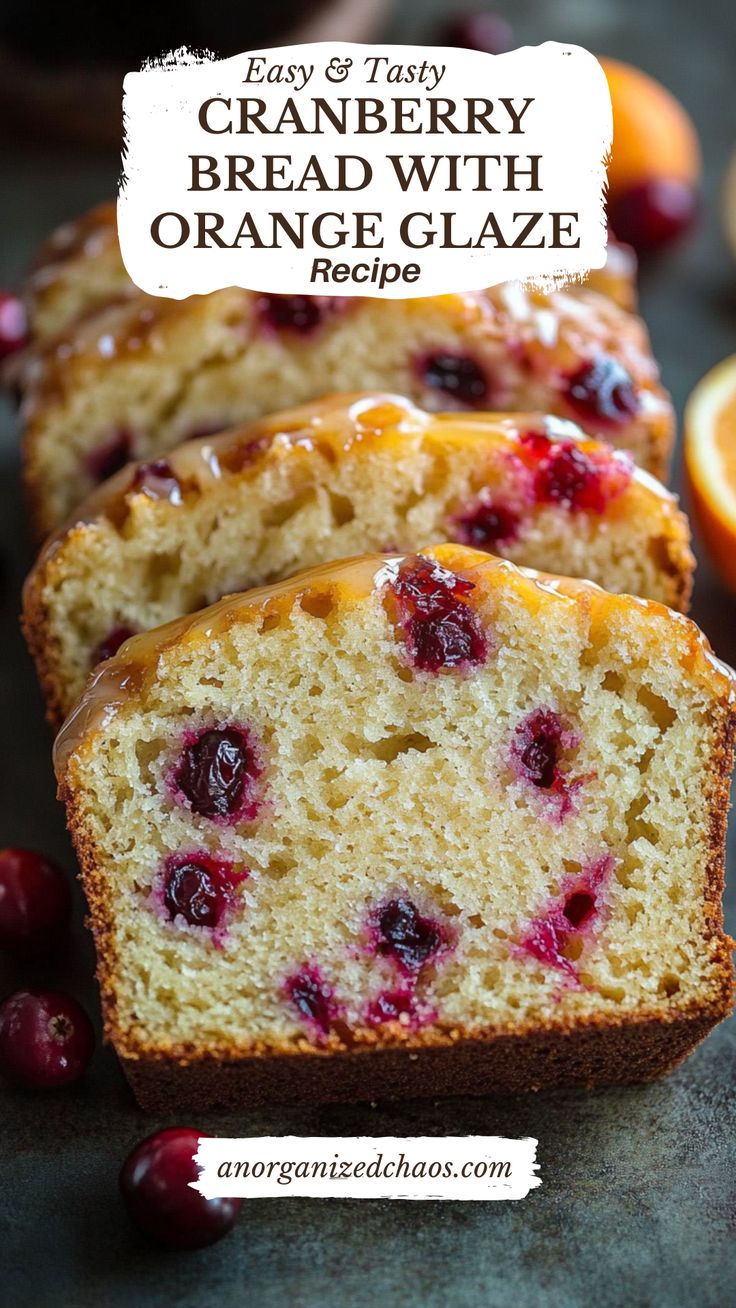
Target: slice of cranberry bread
[[134, 379], [77, 269], [80, 267], [405, 825], [332, 479]]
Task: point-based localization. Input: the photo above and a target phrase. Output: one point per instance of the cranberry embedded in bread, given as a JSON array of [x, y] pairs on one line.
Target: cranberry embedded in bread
[[134, 377], [330, 480], [501, 870]]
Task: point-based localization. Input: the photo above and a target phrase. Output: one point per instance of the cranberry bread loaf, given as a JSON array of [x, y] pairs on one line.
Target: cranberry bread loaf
[[77, 269], [80, 267], [333, 479], [134, 379], [404, 825]]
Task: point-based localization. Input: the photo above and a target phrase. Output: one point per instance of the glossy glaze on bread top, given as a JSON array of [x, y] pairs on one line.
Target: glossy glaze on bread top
[[125, 675], [463, 803], [134, 379], [325, 481]]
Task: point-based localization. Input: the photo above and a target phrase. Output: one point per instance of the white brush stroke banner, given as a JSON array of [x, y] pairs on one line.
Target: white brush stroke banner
[[226, 125], [367, 1167]]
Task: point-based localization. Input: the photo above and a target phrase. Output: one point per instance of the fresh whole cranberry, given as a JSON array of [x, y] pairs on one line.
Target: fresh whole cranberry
[[109, 646], [487, 525], [35, 902], [217, 773], [603, 390], [313, 997], [13, 324], [110, 455], [294, 313], [440, 627], [653, 214], [200, 889], [457, 375], [155, 1184], [46, 1038], [407, 937], [158, 481], [485, 31]]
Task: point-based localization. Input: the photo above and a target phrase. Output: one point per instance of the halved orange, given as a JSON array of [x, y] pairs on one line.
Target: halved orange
[[710, 462]]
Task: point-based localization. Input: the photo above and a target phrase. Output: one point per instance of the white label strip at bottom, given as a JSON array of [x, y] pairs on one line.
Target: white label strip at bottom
[[367, 1167]]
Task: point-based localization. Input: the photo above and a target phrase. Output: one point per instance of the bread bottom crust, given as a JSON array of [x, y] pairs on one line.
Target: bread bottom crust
[[586, 1057]]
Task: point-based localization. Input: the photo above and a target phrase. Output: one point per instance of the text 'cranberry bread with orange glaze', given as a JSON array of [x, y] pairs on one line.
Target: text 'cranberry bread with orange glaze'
[[333, 479], [133, 380], [396, 826], [80, 267]]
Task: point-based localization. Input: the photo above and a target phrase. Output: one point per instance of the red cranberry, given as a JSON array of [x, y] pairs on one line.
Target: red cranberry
[[391, 1006], [487, 32], [46, 1038], [441, 629], [577, 480], [567, 477], [313, 997], [199, 889], [158, 481], [293, 313], [13, 324], [217, 773], [546, 940], [110, 455], [487, 525], [603, 390], [112, 642], [407, 937], [539, 743], [653, 214], [35, 902], [155, 1184], [579, 907], [547, 937], [456, 375]]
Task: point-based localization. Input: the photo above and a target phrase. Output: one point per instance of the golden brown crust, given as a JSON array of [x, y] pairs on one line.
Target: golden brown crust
[[570, 1051], [337, 427], [544, 339], [589, 1054], [44, 650], [566, 1051], [353, 580]]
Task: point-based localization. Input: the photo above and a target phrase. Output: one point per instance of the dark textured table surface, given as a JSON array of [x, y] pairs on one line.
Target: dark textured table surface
[[637, 1206]]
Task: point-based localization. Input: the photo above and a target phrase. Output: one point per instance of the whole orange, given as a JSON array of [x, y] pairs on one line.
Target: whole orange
[[653, 136]]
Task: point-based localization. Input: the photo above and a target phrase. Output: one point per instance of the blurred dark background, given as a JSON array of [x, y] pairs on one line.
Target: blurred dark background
[[638, 1203]]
